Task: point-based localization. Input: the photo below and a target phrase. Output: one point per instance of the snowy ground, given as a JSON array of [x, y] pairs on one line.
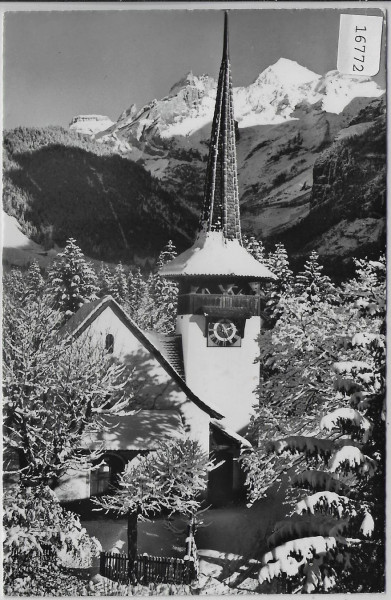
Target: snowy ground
[[229, 542], [153, 536], [18, 249]]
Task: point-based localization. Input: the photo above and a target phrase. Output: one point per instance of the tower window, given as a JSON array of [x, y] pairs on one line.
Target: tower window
[[110, 343]]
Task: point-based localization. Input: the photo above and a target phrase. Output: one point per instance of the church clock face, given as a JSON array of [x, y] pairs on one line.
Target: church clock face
[[223, 332]]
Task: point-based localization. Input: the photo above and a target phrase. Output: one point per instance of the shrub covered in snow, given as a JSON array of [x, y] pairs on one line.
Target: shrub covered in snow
[[41, 540]]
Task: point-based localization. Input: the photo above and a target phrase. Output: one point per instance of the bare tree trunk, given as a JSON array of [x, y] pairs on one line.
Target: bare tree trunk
[[132, 537]]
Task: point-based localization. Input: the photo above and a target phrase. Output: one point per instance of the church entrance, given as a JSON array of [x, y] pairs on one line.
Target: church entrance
[[220, 482]]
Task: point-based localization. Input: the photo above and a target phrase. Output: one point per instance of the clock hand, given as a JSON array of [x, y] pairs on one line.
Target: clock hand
[[225, 329]]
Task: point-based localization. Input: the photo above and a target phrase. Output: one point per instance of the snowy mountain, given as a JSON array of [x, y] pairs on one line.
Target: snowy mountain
[[286, 118], [271, 99], [296, 129], [90, 124]]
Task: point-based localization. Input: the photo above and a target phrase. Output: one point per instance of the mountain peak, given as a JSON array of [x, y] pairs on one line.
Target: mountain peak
[[290, 72], [90, 124], [200, 82]]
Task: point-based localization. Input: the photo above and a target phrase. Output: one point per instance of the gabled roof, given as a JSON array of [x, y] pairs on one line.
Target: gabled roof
[[89, 312], [80, 317]]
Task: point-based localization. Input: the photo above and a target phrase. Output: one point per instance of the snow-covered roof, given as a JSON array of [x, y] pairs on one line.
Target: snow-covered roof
[[166, 351], [230, 434], [140, 431], [82, 316], [214, 255]]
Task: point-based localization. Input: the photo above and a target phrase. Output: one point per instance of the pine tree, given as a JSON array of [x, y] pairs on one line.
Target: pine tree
[[164, 294], [105, 281], [365, 289], [338, 530], [256, 249], [72, 280], [14, 282], [34, 280], [166, 255], [278, 263], [139, 305], [312, 283], [334, 538], [120, 290]]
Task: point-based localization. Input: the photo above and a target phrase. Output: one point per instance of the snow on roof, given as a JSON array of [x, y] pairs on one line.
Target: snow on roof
[[231, 434], [212, 255], [162, 349], [140, 431], [82, 316]]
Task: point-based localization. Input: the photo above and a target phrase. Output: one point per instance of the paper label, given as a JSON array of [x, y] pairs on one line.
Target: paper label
[[359, 45]]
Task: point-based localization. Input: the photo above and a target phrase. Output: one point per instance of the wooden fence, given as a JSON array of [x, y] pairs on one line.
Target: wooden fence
[[153, 569], [147, 569], [23, 561]]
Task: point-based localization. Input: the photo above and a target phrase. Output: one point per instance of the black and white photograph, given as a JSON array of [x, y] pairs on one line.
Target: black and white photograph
[[194, 299]]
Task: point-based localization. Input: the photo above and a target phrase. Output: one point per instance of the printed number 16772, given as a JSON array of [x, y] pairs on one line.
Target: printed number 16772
[[359, 39]]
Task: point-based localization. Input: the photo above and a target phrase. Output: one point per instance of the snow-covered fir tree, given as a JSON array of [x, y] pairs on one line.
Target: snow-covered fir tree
[[364, 289], [119, 286], [34, 281], [72, 280], [105, 280], [166, 255], [334, 538], [164, 294], [312, 282], [139, 302], [322, 400], [255, 248], [278, 263]]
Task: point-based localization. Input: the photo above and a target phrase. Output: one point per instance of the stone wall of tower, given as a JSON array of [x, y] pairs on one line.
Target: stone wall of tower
[[224, 377]]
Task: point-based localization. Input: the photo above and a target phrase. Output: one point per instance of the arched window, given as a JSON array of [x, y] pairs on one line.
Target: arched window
[[110, 343]]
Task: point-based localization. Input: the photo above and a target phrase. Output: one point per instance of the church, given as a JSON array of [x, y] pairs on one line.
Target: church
[[201, 381]]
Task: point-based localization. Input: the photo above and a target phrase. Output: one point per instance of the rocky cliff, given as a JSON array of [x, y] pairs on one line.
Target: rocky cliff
[[347, 204]]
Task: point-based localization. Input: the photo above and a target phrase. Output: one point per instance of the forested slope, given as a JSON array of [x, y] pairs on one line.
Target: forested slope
[[60, 184]]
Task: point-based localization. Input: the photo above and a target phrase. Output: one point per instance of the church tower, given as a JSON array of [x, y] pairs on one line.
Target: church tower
[[219, 305]]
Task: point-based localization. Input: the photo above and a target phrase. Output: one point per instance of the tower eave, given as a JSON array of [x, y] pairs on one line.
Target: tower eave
[[214, 256]]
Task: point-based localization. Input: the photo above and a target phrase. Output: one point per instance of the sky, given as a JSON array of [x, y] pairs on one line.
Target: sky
[[60, 64]]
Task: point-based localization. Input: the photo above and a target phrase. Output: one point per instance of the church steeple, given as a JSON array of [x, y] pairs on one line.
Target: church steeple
[[217, 250], [221, 194], [220, 294]]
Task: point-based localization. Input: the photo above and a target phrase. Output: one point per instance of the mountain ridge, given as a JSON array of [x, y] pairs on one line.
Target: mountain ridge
[[152, 184], [269, 99]]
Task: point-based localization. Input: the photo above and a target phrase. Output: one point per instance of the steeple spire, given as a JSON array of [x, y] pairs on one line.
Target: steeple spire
[[221, 194], [217, 251]]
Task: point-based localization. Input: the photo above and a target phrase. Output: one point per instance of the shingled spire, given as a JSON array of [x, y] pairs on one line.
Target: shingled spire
[[218, 251], [221, 194]]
